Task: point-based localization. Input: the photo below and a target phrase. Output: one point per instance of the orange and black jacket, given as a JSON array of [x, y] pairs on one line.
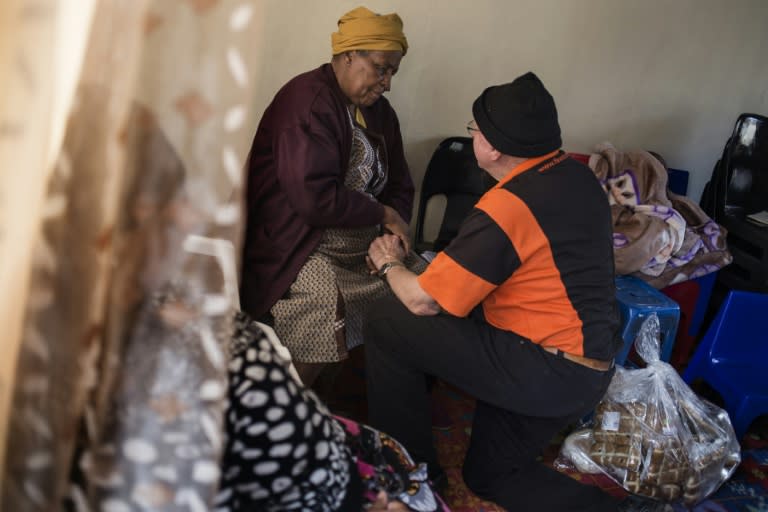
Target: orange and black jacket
[[536, 255]]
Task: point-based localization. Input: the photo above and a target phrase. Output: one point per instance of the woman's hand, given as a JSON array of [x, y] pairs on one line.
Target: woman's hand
[[384, 249], [383, 504], [395, 224]]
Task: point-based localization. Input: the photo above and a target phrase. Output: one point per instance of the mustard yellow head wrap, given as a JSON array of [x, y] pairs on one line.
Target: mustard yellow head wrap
[[361, 29]]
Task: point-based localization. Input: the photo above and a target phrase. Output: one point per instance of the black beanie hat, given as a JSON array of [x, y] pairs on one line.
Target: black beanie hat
[[519, 118]]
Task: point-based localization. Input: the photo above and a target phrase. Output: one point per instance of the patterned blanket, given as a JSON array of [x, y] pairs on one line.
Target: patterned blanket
[[658, 236]]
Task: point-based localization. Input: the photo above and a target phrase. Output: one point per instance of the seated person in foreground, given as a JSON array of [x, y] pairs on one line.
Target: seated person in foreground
[[326, 173], [518, 311], [284, 451]]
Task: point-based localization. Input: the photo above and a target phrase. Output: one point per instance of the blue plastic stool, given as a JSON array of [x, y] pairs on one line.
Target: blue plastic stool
[[733, 355], [637, 300]]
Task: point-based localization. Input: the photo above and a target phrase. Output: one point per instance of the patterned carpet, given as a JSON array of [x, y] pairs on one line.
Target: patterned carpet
[[746, 491]]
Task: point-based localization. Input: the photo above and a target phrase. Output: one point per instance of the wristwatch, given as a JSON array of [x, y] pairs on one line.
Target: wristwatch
[[388, 266]]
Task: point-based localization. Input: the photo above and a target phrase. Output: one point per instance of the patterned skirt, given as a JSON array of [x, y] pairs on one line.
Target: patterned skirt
[[321, 316]]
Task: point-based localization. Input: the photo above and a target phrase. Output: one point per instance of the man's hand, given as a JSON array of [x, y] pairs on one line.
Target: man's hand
[[404, 283], [395, 224], [384, 249]]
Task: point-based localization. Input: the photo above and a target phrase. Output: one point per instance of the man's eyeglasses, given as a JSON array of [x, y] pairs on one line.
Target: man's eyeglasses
[[472, 127]]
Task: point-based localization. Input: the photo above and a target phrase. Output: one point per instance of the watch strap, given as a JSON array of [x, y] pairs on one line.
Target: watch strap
[[385, 268]]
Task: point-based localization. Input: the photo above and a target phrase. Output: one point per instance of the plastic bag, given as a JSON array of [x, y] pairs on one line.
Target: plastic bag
[[653, 435]]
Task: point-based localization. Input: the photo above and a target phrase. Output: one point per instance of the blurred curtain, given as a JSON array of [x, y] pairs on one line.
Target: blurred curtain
[[124, 126]]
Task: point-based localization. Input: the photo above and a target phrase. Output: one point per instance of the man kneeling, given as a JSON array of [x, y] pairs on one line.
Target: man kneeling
[[518, 311]]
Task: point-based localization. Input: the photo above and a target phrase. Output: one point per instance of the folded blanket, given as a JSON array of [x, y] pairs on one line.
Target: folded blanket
[[660, 237]]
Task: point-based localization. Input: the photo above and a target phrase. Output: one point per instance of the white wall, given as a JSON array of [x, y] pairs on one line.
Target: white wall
[[665, 75]]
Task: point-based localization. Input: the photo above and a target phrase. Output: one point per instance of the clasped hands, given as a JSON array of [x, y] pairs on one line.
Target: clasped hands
[[393, 223], [393, 246], [384, 249]]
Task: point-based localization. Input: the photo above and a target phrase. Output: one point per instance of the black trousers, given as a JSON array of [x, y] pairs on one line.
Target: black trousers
[[525, 395]]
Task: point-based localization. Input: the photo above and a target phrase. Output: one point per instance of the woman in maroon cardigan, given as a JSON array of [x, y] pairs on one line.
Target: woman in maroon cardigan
[[326, 173]]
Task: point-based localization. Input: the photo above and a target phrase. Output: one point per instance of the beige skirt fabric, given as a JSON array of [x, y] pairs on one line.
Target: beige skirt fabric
[[321, 316]]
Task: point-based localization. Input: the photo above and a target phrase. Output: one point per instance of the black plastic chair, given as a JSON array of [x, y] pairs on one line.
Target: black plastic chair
[[452, 172], [738, 188]]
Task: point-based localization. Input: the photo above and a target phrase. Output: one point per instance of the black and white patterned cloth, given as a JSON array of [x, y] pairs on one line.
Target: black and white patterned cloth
[[284, 451]]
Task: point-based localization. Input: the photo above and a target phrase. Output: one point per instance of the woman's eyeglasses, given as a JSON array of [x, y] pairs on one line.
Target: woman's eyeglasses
[[382, 70]]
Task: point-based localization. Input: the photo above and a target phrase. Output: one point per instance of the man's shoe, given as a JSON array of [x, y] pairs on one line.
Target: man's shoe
[[440, 483], [634, 503]]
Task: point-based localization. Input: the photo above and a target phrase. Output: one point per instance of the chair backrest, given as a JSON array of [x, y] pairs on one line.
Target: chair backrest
[[739, 333], [452, 172], [741, 182]]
